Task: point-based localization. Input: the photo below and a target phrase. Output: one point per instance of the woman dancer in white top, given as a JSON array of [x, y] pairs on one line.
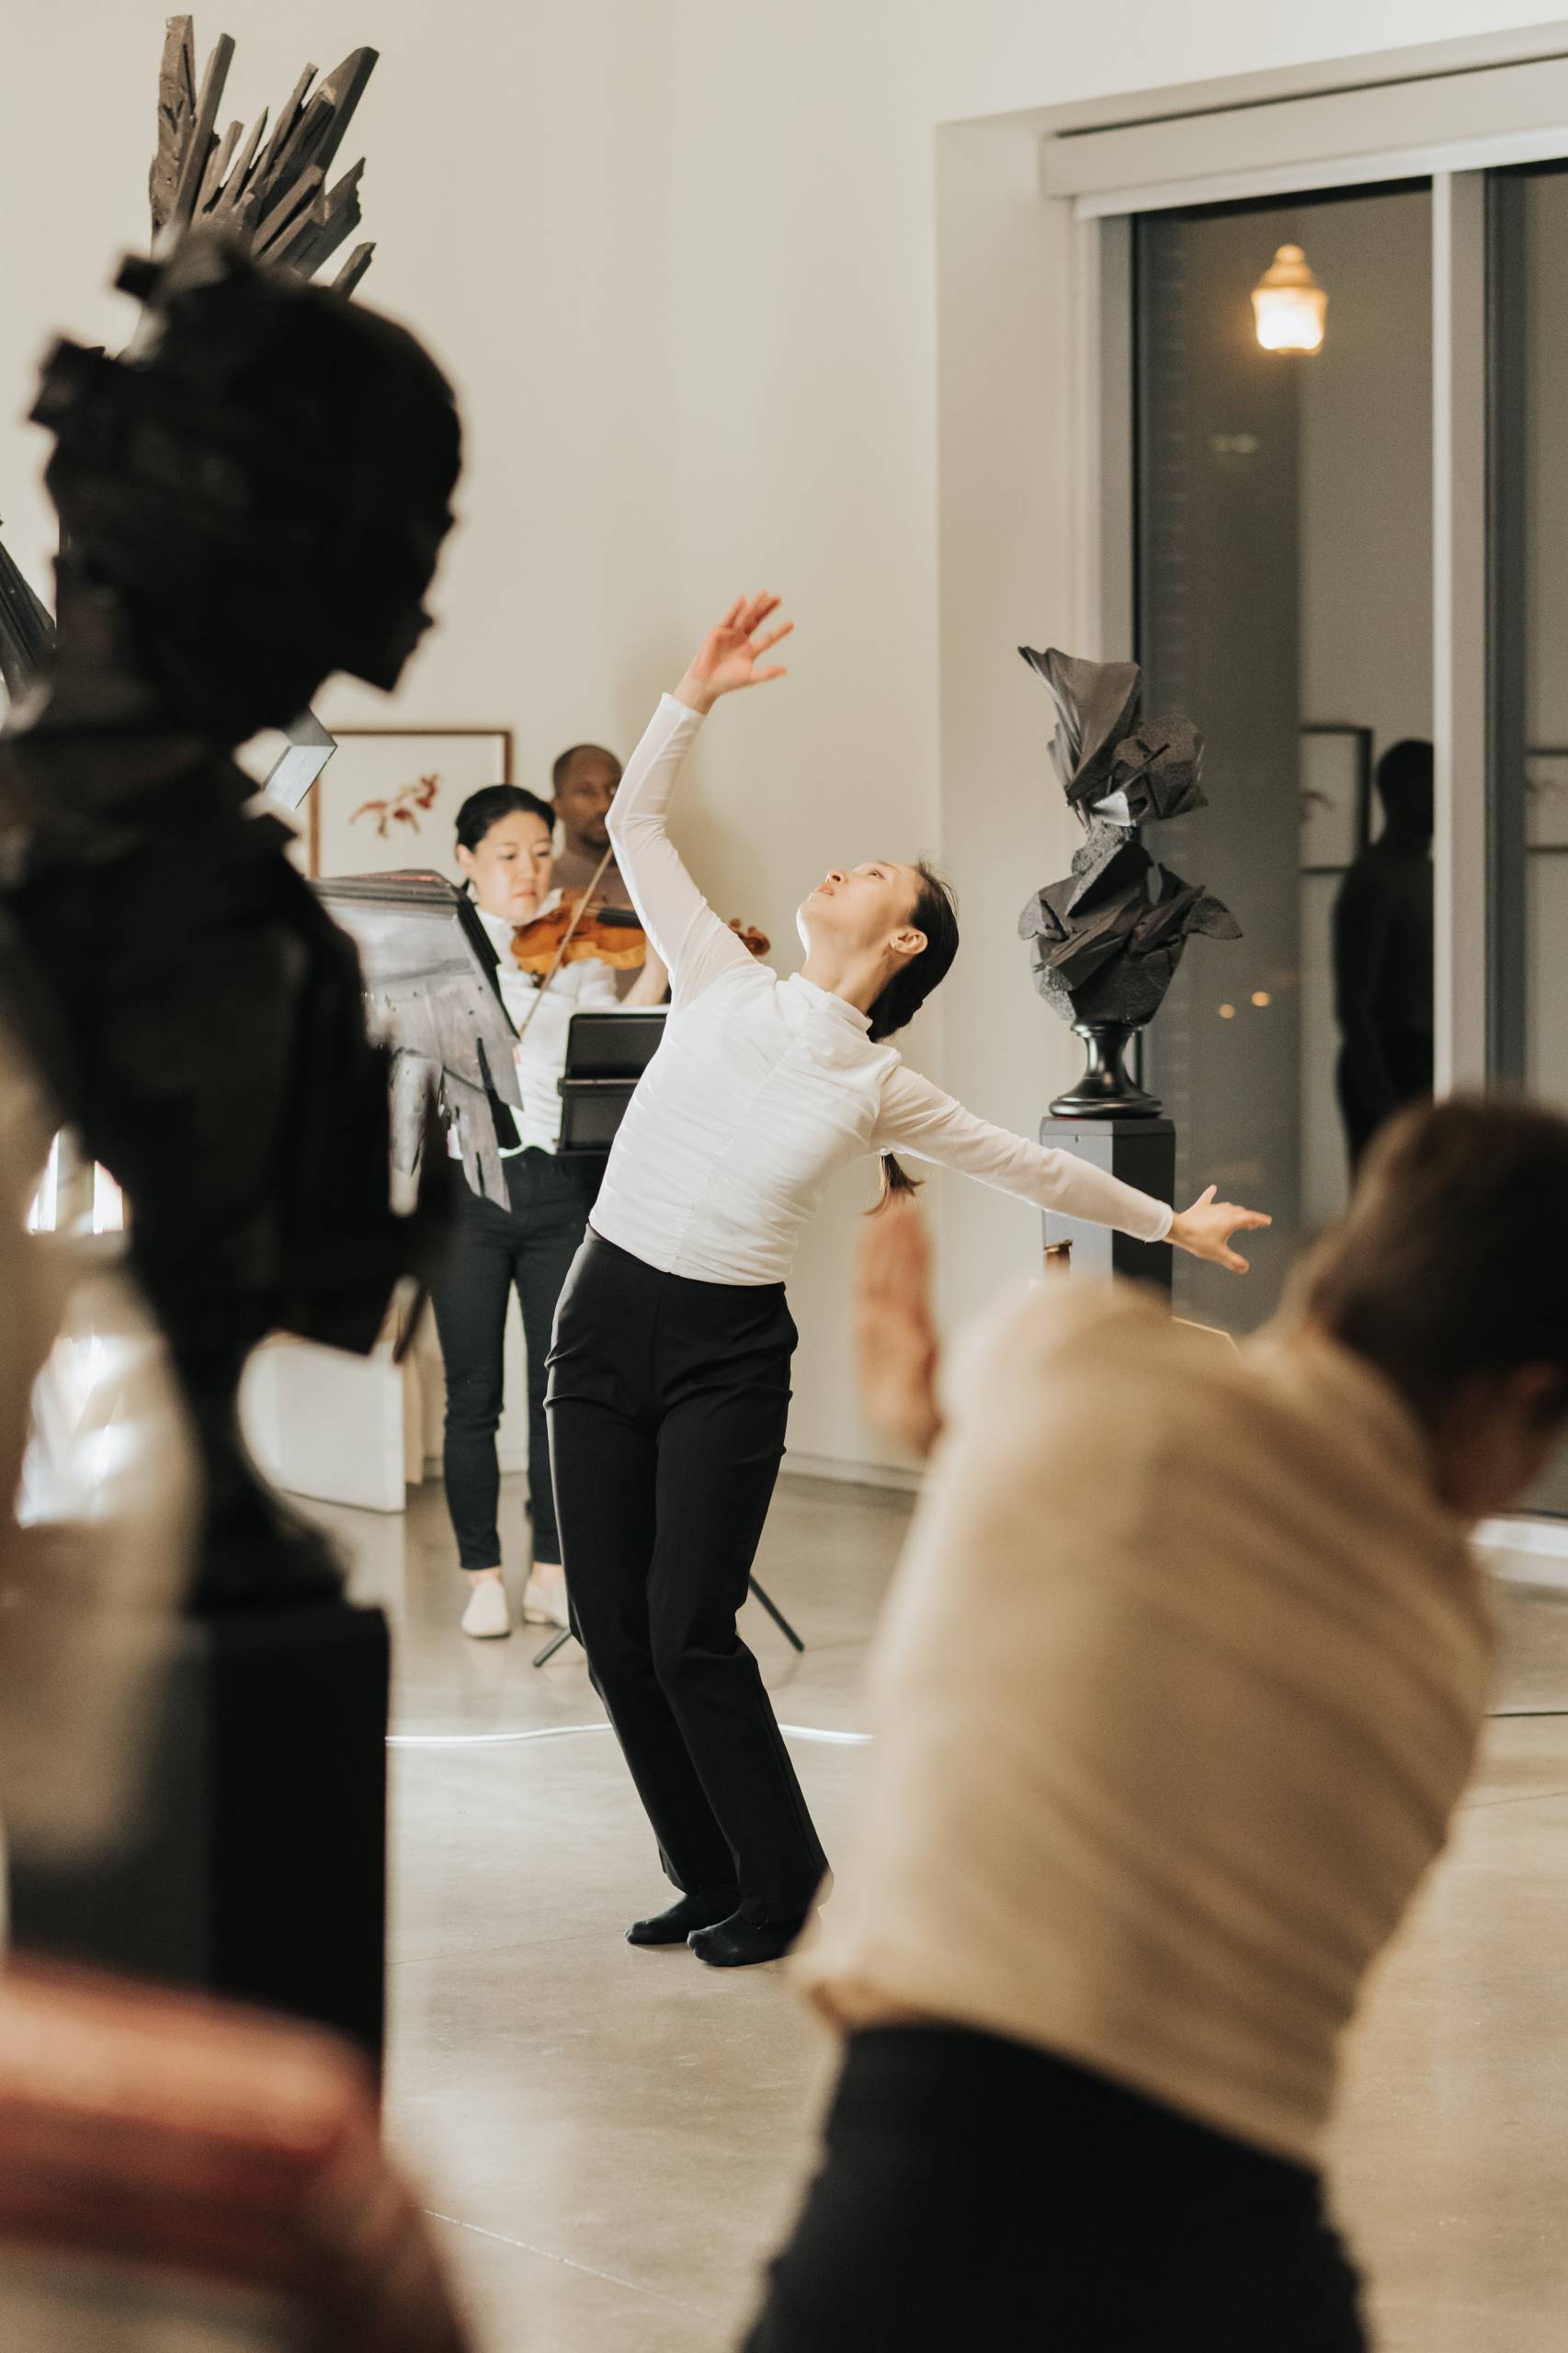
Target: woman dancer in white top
[[669, 1380]]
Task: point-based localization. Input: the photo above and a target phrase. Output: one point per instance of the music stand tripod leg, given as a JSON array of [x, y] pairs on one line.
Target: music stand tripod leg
[[776, 1615], [544, 1658]]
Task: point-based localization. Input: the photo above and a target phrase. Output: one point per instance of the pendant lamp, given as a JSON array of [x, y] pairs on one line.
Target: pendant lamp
[[1289, 304]]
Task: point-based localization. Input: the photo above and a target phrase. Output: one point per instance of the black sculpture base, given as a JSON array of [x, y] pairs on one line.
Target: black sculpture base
[[1105, 1090], [260, 1869], [1141, 1153]]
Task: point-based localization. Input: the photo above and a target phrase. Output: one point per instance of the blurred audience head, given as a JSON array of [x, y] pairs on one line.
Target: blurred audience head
[[1450, 1275]]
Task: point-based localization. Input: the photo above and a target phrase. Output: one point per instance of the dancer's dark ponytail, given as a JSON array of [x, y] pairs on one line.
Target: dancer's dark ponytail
[[896, 1178], [936, 914]]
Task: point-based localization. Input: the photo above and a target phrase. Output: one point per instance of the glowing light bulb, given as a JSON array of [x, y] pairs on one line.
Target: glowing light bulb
[[1227, 1012], [1289, 304], [1261, 996]]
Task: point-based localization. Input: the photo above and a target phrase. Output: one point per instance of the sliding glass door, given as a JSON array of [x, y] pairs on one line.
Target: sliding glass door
[[1528, 313], [1284, 599], [1529, 273]]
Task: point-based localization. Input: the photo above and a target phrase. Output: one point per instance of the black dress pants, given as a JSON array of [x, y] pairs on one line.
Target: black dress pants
[[977, 2192], [532, 1246], [667, 1404]]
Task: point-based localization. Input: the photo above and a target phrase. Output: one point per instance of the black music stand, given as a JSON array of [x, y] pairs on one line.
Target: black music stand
[[607, 1053]]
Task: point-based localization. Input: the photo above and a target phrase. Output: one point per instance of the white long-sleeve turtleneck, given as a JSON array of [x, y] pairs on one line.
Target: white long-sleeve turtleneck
[[762, 1088]]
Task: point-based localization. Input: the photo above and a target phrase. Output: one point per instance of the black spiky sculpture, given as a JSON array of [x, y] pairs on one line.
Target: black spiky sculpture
[[1106, 940]]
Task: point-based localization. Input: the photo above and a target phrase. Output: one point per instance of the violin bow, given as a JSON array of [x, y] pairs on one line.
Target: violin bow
[[578, 913]]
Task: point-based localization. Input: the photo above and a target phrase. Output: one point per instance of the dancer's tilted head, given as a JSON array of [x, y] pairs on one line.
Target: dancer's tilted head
[[904, 913]]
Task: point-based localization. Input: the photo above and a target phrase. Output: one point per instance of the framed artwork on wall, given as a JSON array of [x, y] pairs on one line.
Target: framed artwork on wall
[[1546, 796], [1337, 797], [388, 796]]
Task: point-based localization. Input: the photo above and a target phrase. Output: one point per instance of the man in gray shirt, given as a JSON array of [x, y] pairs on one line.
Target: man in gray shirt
[[585, 779]]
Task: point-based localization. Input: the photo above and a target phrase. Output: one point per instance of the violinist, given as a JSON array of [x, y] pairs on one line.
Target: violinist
[[506, 849]]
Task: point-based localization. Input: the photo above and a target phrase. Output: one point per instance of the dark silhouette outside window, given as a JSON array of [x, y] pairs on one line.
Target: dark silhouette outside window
[[1383, 954]]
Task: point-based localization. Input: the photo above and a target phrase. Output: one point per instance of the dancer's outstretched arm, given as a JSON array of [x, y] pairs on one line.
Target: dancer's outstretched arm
[[695, 943], [918, 1117]]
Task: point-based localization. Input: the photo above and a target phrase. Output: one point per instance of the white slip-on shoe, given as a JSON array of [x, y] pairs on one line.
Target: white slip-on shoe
[[544, 1604], [487, 1614]]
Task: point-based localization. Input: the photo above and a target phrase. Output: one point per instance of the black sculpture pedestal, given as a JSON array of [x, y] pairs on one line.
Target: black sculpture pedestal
[[259, 1868], [1105, 1090], [1141, 1153]]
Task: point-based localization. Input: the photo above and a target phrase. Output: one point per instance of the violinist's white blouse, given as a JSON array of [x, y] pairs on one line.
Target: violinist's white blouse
[[763, 1087], [543, 1023]]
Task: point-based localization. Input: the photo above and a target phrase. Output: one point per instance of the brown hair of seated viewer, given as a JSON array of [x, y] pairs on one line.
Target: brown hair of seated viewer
[[934, 912], [1451, 1262]]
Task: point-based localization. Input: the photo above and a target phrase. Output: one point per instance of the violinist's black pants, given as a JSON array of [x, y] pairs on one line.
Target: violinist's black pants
[[529, 1246], [668, 1403], [977, 2192]]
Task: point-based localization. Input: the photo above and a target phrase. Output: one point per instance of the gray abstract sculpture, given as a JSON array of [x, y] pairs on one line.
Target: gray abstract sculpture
[[1106, 940], [272, 201], [251, 499]]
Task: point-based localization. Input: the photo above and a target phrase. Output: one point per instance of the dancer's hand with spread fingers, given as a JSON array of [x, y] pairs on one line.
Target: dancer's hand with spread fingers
[[1205, 1230], [895, 1332], [727, 659]]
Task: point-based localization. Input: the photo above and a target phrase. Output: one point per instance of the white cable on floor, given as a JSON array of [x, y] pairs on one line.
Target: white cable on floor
[[567, 1732]]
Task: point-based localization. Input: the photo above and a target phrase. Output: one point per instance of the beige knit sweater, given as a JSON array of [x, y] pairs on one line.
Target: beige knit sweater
[[1178, 1684]]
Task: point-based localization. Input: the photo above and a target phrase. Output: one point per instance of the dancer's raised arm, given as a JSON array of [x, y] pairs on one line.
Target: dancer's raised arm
[[695, 943]]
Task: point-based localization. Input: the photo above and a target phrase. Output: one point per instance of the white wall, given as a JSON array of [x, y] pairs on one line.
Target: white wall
[[683, 263], [517, 189]]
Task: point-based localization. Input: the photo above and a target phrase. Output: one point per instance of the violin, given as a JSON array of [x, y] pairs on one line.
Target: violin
[[580, 927], [576, 929]]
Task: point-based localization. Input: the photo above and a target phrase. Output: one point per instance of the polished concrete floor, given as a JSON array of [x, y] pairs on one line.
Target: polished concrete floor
[[613, 2140]]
